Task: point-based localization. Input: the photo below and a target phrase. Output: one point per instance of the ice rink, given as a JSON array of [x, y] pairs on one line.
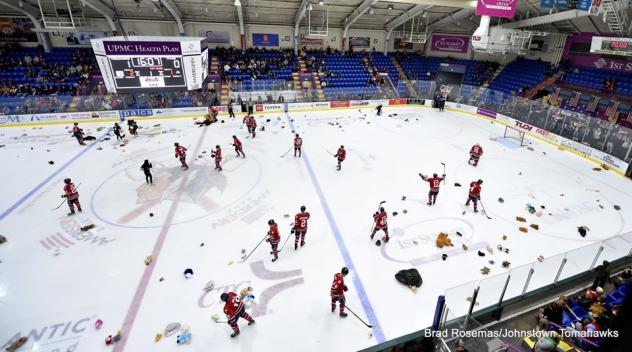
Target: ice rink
[[56, 281]]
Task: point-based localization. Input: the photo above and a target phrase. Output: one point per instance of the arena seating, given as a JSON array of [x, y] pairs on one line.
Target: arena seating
[[594, 78], [256, 67], [32, 80], [417, 68], [521, 73], [348, 76]]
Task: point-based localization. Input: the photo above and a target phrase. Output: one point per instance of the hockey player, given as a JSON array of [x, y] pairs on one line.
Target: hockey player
[[231, 113], [117, 131], [300, 227], [253, 126], [77, 132], [217, 155], [379, 110], [234, 309], [380, 219], [341, 154], [146, 167], [72, 196], [475, 154], [238, 147], [338, 289], [435, 182], [475, 194], [132, 126], [181, 152], [298, 142], [274, 239]]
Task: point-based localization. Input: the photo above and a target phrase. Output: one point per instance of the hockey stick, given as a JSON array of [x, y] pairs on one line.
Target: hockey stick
[[330, 153], [289, 150], [257, 246], [443, 172], [65, 200], [360, 319], [484, 211], [288, 237]]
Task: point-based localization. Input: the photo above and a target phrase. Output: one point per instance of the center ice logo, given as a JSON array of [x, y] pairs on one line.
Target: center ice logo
[[204, 192]]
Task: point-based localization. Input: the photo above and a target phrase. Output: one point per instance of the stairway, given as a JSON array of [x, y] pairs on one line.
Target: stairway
[[477, 93], [548, 81], [319, 88], [301, 64], [614, 15], [404, 77], [297, 86], [214, 64], [224, 94]]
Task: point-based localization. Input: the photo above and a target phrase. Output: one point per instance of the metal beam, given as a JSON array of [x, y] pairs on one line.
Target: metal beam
[[175, 12], [463, 4], [416, 10], [457, 16], [30, 11], [552, 18], [105, 11], [356, 14]]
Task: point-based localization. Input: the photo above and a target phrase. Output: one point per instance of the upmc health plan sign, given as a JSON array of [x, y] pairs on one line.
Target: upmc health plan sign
[[496, 8]]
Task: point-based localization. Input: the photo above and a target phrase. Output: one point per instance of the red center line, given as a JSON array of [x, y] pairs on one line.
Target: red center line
[[144, 281]]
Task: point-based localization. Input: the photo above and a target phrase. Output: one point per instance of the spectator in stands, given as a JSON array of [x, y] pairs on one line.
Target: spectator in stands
[[602, 275], [589, 297], [554, 311]]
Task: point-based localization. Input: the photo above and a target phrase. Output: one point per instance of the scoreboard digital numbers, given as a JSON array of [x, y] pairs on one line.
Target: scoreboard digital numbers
[[146, 64], [148, 72], [611, 46]]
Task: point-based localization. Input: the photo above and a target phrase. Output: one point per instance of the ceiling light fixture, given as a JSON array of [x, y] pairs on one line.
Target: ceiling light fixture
[[237, 3], [390, 7], [310, 7], [206, 9], [321, 2], [371, 11]]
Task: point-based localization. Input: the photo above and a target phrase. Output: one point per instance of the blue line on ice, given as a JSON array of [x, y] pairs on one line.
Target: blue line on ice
[[364, 299], [46, 180]]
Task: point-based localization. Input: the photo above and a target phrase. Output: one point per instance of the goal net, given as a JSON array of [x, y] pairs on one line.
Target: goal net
[[514, 134]]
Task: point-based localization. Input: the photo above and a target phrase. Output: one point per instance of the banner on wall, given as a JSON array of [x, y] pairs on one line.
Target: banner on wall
[[359, 41], [562, 4], [216, 37], [307, 40], [265, 39], [16, 30], [584, 5], [83, 38], [496, 8], [450, 43], [399, 43], [547, 4]]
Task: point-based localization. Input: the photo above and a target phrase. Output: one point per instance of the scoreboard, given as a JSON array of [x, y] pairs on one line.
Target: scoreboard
[[611, 46], [146, 64]]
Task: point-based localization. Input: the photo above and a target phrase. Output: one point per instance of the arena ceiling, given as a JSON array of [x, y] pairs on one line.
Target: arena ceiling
[[263, 12]]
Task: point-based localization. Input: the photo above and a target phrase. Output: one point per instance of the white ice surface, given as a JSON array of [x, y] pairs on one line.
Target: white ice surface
[[56, 294]]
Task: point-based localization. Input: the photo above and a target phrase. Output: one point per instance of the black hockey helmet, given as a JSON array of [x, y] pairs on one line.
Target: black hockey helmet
[[234, 136], [382, 209], [480, 182], [270, 222], [176, 144], [66, 180], [76, 123], [434, 175], [342, 146], [297, 135], [217, 146], [344, 270], [303, 208], [224, 297]]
